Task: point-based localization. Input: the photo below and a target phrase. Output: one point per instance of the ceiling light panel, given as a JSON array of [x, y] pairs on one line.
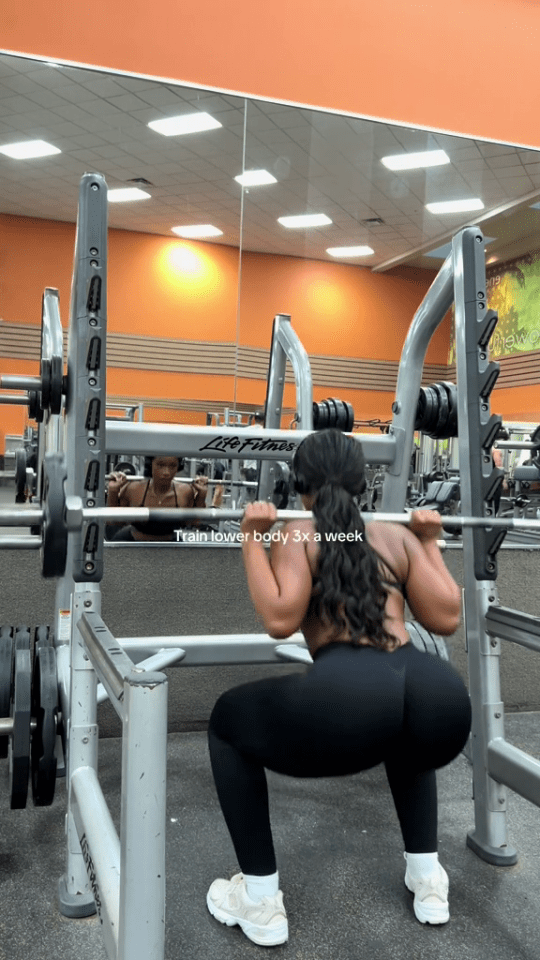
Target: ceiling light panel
[[197, 231], [305, 220], [455, 206], [350, 251], [416, 161], [187, 123], [126, 195], [29, 150], [255, 178]]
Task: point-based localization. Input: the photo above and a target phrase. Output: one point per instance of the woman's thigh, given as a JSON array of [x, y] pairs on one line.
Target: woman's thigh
[[437, 712]]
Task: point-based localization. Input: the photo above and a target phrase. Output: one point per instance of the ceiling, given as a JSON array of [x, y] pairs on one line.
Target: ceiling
[[323, 164]]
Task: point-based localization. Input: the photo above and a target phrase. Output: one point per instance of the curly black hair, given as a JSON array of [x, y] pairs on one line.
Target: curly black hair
[[349, 595]]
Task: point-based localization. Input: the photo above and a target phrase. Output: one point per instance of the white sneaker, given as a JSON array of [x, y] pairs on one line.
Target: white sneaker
[[265, 922], [430, 896]]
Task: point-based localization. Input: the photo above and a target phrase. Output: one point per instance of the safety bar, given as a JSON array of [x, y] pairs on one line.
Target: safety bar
[[513, 625]]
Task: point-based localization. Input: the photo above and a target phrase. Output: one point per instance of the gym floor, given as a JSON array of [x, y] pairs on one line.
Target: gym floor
[[338, 843], [340, 860]]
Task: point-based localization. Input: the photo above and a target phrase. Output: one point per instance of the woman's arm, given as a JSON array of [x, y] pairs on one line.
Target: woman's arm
[[433, 595], [280, 587]]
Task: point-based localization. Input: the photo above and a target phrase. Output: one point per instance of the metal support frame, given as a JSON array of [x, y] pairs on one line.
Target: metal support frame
[[489, 837], [285, 346], [495, 762]]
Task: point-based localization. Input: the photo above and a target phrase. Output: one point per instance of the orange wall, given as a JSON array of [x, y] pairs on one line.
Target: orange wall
[[336, 309], [175, 289], [156, 286], [467, 67]]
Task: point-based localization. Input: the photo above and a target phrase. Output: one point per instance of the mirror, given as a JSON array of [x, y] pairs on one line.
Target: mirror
[[190, 319], [377, 246]]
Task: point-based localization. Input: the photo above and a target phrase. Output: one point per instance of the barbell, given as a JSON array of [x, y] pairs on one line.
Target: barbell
[[61, 515]]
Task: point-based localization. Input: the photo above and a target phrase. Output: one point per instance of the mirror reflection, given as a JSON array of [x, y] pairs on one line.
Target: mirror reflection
[[210, 243]]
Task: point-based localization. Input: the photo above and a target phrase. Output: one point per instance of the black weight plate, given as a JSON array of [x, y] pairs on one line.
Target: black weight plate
[[451, 392], [57, 384], [124, 466], [332, 413], [6, 670], [20, 474], [54, 544], [444, 413], [350, 417], [35, 410], [20, 740], [315, 415], [336, 407], [324, 415], [342, 415], [45, 373], [21, 641], [432, 398], [420, 411], [44, 711]]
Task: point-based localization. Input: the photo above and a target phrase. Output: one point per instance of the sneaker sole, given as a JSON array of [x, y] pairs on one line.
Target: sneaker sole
[[429, 913], [259, 935]]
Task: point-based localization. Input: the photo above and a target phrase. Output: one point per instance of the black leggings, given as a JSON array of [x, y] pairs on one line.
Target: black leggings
[[354, 708]]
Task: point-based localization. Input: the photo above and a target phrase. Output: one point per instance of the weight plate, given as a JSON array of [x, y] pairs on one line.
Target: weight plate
[[57, 384], [432, 398], [20, 474], [451, 393], [336, 412], [20, 740], [54, 544], [124, 466], [41, 637], [6, 669], [425, 641], [341, 414], [315, 415], [350, 417], [324, 415], [444, 412], [332, 413], [35, 411], [420, 411], [45, 712], [45, 373]]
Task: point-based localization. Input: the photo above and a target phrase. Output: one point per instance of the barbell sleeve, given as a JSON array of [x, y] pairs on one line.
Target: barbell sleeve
[[14, 398], [21, 518], [16, 382]]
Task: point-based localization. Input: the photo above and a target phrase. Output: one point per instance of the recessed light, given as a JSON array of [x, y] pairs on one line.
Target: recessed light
[[29, 149], [350, 251], [455, 206], [197, 231], [491, 260], [305, 220], [415, 161], [126, 194], [255, 178], [187, 123]]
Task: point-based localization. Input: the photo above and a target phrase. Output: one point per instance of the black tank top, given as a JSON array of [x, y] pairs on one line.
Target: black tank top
[[157, 528]]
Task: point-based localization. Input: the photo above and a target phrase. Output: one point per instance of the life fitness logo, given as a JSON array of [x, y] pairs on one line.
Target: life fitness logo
[[220, 444]]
